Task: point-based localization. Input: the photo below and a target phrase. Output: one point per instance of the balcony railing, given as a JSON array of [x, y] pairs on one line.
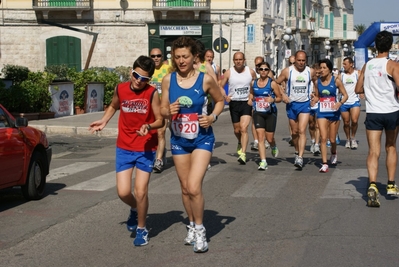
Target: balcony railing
[[180, 5], [45, 6], [61, 3], [321, 33]]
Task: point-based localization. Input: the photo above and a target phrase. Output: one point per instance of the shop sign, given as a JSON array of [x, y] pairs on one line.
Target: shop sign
[[180, 30]]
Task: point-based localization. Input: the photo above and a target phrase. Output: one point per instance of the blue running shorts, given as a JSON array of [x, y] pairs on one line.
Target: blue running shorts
[[126, 159]]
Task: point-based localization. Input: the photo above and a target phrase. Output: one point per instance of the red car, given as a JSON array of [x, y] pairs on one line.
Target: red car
[[25, 156]]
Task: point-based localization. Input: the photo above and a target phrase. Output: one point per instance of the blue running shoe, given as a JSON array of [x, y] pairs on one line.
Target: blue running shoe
[[328, 143], [131, 223], [141, 237]]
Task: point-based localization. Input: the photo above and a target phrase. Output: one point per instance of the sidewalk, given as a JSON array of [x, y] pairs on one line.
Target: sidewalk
[[77, 125]]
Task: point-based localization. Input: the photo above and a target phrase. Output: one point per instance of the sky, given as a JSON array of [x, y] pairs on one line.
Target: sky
[[368, 11]]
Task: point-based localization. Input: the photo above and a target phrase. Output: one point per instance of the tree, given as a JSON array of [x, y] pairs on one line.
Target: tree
[[360, 28]]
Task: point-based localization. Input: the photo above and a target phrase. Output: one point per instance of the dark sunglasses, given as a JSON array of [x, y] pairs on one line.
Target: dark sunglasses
[[265, 69], [140, 78], [292, 63], [159, 55]]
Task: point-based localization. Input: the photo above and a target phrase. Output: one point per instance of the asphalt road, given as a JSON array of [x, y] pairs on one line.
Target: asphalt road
[[279, 217]]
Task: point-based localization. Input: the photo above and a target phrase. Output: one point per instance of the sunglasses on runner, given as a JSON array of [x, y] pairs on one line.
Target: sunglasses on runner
[[154, 56], [265, 69], [140, 78]]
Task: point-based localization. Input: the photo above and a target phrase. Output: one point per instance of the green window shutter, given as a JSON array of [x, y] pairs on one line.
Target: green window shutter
[[326, 21], [64, 50], [331, 25]]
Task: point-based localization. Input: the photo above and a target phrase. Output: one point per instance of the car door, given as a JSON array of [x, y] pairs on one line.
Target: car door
[[12, 152]]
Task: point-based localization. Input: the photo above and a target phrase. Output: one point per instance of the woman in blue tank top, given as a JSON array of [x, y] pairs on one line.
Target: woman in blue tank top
[[264, 94], [184, 101], [328, 114]]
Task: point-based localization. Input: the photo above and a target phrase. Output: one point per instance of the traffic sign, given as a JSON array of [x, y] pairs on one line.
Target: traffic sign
[[216, 45]]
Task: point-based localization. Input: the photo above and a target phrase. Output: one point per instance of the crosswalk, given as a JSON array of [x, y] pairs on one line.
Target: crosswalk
[[342, 184]]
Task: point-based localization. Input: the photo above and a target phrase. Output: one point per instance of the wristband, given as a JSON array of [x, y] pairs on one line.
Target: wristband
[[149, 127]]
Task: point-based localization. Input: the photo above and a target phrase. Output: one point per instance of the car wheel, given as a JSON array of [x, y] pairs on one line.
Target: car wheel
[[36, 178]]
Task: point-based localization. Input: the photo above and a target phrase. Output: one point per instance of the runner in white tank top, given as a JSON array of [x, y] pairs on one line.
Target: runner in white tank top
[[379, 81], [297, 97], [239, 79], [350, 110]]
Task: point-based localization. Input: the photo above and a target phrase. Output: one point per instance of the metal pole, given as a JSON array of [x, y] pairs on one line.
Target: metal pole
[[231, 30], [220, 45]]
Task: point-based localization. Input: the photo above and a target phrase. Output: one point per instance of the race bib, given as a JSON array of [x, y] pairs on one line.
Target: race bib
[[300, 90], [185, 125], [326, 104], [261, 105]]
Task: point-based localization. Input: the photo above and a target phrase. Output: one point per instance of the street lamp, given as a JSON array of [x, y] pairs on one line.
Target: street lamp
[[327, 47], [345, 49], [288, 35]]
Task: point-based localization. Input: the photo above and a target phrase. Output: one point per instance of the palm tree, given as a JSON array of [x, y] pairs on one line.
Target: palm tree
[[359, 28]]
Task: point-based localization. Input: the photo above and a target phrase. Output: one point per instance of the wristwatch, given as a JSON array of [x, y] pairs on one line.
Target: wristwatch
[[215, 118], [149, 127]]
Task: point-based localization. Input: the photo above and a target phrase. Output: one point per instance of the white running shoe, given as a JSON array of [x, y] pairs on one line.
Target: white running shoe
[[334, 159], [190, 238], [200, 243], [348, 144], [324, 168]]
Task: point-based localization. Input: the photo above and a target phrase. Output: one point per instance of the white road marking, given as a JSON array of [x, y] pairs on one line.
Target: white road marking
[[100, 183], [347, 184], [72, 169]]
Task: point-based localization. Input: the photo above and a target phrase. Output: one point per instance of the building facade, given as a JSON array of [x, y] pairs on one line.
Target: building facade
[[110, 33]]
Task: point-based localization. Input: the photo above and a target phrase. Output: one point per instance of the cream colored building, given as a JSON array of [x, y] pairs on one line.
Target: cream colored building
[[110, 33]]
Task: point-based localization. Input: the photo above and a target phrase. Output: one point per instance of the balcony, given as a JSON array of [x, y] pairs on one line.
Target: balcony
[[45, 6], [306, 25], [350, 35], [180, 5], [321, 33]]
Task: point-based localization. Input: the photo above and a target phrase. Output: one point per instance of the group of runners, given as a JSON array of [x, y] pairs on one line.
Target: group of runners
[[186, 96]]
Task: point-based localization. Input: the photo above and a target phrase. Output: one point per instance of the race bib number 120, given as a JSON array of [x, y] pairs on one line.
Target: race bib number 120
[[185, 125]]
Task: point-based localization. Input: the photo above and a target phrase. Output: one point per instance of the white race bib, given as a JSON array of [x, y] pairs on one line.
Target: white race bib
[[185, 125], [261, 105], [327, 103]]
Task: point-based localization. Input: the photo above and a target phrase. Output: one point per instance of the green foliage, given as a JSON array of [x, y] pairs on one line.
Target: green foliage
[[30, 92], [30, 95], [80, 80], [61, 71], [15, 73], [123, 73], [359, 28], [110, 80]]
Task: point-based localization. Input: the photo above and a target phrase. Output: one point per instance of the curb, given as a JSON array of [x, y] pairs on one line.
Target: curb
[[84, 131]]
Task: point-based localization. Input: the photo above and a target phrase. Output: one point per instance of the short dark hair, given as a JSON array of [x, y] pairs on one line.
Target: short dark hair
[[349, 59], [263, 63], [383, 41], [145, 63], [327, 62]]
